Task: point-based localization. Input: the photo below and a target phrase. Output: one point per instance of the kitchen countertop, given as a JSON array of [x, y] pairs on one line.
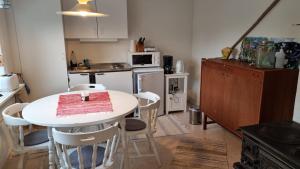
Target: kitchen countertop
[[102, 67], [7, 95]]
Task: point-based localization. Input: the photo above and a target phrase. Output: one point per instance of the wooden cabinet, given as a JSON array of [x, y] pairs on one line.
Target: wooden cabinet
[[176, 92], [121, 81], [79, 27], [234, 94], [114, 26]]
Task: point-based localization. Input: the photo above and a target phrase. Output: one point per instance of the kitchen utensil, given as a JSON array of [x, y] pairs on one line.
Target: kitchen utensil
[[132, 47], [168, 64], [179, 66], [140, 46], [85, 96]]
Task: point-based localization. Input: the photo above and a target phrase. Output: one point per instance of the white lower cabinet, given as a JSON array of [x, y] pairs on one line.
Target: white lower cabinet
[[76, 79], [121, 81]]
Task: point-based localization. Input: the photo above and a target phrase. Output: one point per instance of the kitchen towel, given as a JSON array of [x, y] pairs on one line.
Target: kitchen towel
[[72, 104]]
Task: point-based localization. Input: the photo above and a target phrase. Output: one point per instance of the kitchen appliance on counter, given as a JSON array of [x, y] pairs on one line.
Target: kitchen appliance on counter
[[150, 79], [9, 83], [179, 66], [144, 59], [168, 64]]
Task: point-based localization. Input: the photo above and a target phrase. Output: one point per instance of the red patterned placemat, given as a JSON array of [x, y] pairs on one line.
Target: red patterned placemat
[[72, 104]]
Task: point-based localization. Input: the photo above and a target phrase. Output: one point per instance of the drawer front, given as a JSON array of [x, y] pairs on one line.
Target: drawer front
[[177, 102], [76, 79], [121, 81]]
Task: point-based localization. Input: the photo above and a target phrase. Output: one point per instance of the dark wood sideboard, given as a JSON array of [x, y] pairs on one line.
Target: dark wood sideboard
[[234, 94]]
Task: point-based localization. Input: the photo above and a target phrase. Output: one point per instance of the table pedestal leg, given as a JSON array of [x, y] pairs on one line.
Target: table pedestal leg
[[124, 144], [51, 149]]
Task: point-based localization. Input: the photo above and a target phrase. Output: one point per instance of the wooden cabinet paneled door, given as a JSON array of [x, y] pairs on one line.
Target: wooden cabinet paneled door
[[234, 94], [213, 97]]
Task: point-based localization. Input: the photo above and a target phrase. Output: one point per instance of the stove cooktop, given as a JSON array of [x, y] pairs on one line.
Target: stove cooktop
[[283, 139]]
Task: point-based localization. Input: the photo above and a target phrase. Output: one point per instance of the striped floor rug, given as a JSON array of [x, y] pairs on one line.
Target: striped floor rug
[[170, 125], [195, 153]]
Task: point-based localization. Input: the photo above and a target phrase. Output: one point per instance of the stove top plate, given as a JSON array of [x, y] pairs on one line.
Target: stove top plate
[[285, 133]]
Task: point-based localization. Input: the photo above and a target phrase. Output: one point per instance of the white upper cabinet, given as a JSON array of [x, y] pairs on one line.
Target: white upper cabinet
[[113, 26], [79, 27]]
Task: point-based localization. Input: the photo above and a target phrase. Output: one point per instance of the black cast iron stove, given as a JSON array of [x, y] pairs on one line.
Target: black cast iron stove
[[270, 146]]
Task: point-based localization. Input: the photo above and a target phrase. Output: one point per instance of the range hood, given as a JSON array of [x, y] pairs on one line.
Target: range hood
[[4, 4]]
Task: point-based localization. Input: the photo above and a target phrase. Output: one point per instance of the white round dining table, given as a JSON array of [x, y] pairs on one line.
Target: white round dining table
[[43, 112]]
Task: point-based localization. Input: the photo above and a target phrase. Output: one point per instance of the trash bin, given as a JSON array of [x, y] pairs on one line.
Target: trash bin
[[195, 116]]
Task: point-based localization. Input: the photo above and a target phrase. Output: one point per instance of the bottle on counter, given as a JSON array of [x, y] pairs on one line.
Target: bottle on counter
[[73, 59]]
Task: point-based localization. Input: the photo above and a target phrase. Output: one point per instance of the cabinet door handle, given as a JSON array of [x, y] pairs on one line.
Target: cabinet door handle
[[84, 74], [100, 74]]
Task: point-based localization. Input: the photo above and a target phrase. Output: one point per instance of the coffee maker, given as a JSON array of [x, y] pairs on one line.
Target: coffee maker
[[168, 64]]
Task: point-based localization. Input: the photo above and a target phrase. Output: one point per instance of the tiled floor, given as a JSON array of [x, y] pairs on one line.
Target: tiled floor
[[167, 146]]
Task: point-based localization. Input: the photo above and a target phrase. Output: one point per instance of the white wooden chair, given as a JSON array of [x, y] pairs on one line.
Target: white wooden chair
[[23, 141], [87, 87], [92, 149], [148, 106]]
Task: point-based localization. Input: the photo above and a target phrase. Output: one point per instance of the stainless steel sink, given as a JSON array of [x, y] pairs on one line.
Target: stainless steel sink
[[103, 67], [81, 68]]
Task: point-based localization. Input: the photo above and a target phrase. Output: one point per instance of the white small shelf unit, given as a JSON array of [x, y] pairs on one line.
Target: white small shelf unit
[[176, 92]]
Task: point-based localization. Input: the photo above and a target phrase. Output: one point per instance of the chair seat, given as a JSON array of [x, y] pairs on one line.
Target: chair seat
[[87, 153], [36, 138], [135, 125]]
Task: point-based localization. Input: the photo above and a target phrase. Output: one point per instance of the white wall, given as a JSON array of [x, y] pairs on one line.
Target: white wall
[[166, 24], [5, 41], [41, 46], [218, 24]]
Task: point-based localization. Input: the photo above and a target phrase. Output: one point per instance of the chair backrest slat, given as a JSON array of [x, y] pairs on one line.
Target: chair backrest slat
[[113, 149], [106, 151], [21, 135], [93, 139], [67, 161], [80, 157], [94, 156], [87, 87], [149, 112]]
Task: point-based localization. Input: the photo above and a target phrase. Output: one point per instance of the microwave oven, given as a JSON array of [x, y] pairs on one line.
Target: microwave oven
[[144, 59]]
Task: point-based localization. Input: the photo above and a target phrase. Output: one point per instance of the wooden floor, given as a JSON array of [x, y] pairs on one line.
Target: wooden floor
[[167, 147]]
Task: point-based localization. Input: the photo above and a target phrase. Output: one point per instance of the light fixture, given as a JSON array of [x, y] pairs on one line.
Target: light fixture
[[83, 8]]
